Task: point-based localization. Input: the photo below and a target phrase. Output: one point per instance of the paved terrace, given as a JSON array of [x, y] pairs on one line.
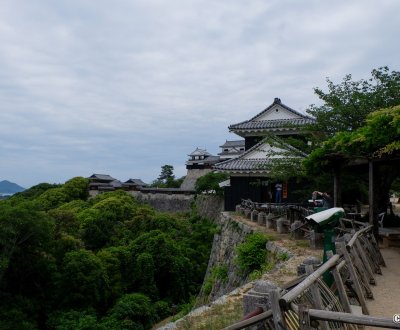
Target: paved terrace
[[387, 289]]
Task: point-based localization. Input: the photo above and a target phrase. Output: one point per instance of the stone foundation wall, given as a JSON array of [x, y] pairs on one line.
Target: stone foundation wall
[[165, 202], [223, 254]]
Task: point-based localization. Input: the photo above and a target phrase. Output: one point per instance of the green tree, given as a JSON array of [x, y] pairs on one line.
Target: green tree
[[209, 183], [83, 282], [25, 238], [167, 179], [35, 191], [74, 320], [134, 309], [77, 188], [167, 173], [251, 254], [172, 269], [377, 140], [346, 105], [52, 198]]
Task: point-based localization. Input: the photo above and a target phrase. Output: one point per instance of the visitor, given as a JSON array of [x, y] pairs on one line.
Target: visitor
[[278, 192], [326, 196]]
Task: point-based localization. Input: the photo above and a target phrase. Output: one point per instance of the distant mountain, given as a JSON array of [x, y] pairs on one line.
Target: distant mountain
[[7, 187]]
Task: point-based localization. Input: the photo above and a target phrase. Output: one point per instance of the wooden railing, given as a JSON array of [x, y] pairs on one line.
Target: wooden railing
[[312, 305]]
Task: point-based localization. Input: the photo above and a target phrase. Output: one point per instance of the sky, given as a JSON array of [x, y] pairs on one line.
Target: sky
[[123, 87]]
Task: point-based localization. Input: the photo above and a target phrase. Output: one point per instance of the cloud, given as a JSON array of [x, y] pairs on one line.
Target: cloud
[[128, 86]]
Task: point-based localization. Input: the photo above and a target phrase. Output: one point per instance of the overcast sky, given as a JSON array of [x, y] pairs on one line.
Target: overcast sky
[[123, 87]]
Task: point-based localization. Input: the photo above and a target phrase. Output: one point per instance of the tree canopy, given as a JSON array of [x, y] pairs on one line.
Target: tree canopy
[[109, 262], [378, 138], [209, 183], [346, 105], [166, 179]]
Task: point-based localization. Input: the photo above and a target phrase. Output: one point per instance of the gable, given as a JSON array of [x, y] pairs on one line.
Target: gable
[[277, 111], [263, 151]]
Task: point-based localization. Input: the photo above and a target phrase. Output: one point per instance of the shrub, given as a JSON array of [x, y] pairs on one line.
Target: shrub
[[251, 254]]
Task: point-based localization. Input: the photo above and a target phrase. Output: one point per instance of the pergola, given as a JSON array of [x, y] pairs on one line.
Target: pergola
[[374, 165]]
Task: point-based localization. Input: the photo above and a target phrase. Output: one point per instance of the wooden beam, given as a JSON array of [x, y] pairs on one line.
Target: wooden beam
[[373, 220], [337, 186], [381, 322], [308, 281]]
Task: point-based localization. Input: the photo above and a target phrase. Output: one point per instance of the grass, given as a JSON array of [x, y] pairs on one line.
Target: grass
[[216, 318], [303, 243]]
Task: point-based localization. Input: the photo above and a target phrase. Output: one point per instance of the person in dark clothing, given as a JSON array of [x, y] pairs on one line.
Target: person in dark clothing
[[326, 196], [278, 192]]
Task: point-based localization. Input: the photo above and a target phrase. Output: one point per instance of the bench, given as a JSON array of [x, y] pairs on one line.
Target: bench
[[389, 236]]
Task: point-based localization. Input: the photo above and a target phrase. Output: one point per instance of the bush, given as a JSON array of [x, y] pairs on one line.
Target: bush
[[209, 183], [252, 253]]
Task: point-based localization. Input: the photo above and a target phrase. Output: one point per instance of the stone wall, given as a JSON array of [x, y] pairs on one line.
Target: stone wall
[[163, 202], [209, 206], [192, 176], [223, 255]]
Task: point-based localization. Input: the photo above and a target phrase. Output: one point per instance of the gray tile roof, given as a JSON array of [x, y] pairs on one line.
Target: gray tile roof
[[231, 144], [241, 164], [116, 184], [246, 165], [104, 177], [278, 101], [200, 152], [281, 124], [254, 124], [207, 160], [231, 153], [135, 182]]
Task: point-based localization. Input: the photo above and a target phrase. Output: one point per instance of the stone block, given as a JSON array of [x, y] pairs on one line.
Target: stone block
[[316, 240], [238, 208], [270, 222], [254, 215], [297, 234], [261, 218], [281, 226], [311, 260], [258, 296]]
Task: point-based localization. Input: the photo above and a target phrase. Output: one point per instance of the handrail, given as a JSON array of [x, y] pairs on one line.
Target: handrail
[[354, 238], [285, 301], [255, 319], [382, 322]]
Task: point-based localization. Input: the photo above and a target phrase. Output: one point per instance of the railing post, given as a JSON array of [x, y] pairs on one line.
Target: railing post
[[340, 246], [340, 286], [279, 321], [304, 318]]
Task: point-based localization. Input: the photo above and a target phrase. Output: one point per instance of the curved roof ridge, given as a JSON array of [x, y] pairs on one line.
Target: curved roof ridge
[[277, 101]]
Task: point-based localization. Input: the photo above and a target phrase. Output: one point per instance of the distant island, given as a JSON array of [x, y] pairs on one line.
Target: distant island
[[8, 188]]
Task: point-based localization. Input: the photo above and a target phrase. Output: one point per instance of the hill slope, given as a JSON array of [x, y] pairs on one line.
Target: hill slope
[[7, 187]]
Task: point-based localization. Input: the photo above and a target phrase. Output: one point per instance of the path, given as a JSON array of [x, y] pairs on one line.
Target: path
[[387, 289]]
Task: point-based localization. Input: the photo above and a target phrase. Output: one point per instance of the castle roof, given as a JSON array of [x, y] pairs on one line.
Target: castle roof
[[232, 144], [255, 160], [200, 152], [277, 118], [135, 182], [102, 177]]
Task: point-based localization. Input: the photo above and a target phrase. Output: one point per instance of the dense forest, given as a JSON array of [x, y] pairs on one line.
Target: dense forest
[[72, 262]]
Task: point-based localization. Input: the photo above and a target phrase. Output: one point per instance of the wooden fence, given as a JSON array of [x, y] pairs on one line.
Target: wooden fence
[[311, 304]]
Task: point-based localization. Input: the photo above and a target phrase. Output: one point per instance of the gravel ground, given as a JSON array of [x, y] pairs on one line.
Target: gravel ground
[[387, 289]]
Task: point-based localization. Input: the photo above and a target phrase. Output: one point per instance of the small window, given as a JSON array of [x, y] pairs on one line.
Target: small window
[[226, 149], [241, 149], [276, 110]]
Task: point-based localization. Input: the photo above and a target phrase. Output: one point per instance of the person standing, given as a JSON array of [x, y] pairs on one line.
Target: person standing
[[327, 198], [278, 192]]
